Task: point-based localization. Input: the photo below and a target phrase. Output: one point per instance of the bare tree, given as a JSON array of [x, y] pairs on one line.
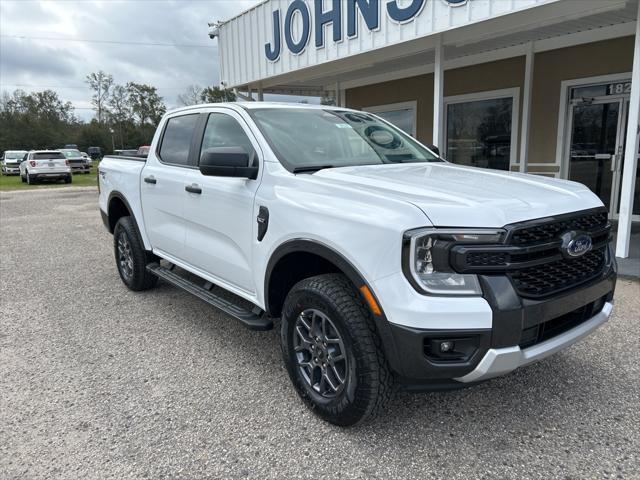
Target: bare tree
[[191, 96], [120, 108], [101, 84]]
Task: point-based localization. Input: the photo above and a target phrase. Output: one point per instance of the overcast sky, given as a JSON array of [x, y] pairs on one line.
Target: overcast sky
[[88, 26]]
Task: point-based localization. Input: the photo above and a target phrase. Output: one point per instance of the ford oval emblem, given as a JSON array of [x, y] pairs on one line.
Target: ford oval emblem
[[579, 245]]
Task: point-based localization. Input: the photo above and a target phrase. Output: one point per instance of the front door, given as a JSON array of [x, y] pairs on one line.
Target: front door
[[220, 218], [598, 126]]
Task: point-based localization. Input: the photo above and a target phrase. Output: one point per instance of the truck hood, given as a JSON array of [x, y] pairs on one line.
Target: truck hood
[[457, 196]]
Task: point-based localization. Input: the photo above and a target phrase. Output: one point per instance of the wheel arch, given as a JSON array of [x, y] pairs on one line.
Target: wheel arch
[[279, 278]]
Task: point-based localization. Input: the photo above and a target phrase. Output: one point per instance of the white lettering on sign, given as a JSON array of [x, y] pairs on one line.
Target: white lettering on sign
[[622, 88]]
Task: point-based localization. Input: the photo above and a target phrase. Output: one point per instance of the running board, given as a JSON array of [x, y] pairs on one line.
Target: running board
[[253, 320]]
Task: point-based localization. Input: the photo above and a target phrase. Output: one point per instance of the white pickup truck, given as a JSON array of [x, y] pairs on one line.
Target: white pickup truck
[[386, 265]]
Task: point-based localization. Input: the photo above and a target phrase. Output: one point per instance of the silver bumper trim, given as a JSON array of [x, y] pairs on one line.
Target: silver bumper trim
[[498, 361]]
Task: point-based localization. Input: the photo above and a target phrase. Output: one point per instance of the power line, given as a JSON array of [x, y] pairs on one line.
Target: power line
[[112, 42], [28, 85]]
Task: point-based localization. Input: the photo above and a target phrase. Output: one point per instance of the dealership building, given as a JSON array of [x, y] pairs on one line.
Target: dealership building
[[548, 87]]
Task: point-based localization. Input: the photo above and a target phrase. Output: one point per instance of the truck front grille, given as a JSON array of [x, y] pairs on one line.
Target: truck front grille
[[553, 277], [551, 230], [532, 257]]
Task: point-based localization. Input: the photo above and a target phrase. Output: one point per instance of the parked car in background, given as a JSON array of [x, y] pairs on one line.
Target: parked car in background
[[45, 165], [128, 153], [95, 153], [76, 160], [11, 161], [87, 161], [143, 151]]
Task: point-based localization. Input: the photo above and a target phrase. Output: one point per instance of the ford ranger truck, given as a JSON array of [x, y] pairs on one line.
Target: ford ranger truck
[[385, 265]]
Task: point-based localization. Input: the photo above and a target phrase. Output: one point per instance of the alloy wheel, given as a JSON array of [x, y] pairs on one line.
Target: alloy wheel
[[125, 257], [320, 353]]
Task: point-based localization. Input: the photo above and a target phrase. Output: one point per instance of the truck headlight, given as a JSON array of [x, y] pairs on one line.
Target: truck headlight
[[426, 259]]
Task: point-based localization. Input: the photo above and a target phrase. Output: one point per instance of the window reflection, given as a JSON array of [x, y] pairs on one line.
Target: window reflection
[[479, 133]]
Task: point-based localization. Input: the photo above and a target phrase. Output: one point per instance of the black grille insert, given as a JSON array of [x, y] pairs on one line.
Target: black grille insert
[[557, 276], [552, 230]]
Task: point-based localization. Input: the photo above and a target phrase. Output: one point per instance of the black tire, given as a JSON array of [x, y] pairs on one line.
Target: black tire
[[68, 179], [368, 382], [23, 178], [31, 179], [135, 276]]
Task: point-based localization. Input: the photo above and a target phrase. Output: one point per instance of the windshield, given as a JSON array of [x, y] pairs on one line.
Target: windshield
[[335, 138], [71, 153], [14, 155]]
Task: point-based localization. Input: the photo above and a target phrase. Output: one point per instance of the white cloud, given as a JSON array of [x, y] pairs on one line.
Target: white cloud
[[65, 64]]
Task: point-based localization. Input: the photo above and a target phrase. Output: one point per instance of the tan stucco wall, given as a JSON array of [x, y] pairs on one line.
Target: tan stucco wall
[[555, 66], [551, 68], [418, 88]]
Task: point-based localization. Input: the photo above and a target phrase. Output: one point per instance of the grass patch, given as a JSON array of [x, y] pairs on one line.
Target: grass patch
[[13, 182]]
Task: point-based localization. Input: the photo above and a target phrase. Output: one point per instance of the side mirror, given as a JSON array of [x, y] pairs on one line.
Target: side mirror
[[227, 162], [434, 149]]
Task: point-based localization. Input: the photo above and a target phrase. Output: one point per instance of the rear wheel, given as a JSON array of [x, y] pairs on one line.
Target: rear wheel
[[131, 257], [23, 178], [68, 179], [31, 179], [332, 351]]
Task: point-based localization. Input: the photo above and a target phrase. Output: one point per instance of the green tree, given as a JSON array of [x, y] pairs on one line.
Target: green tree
[[217, 95], [101, 84], [146, 105]]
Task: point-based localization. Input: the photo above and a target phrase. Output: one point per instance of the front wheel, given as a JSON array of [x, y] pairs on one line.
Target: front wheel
[[131, 257], [332, 351]]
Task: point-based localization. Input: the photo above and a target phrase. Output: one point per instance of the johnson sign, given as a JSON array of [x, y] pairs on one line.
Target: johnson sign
[[298, 19]]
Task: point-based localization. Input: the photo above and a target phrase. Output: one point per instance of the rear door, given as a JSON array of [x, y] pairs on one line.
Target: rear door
[[162, 185], [220, 218]]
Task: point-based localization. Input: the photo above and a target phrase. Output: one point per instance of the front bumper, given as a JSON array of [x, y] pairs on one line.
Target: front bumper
[[12, 169], [520, 331], [498, 361]]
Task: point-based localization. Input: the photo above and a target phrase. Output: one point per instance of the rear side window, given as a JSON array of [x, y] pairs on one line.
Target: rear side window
[[224, 131], [47, 156], [177, 139]]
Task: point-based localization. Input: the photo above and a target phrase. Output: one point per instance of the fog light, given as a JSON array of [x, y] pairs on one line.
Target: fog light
[[446, 346]]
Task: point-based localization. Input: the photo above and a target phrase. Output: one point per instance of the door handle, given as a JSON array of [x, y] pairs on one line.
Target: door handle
[[193, 189], [151, 180]]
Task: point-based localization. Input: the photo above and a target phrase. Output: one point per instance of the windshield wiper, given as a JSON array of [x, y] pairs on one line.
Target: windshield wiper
[[311, 168]]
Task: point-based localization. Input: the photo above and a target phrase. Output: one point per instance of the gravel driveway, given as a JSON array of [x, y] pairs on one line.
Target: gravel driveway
[[100, 382]]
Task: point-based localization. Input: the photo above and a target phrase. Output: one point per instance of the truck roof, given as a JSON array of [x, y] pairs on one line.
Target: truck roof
[[255, 105]]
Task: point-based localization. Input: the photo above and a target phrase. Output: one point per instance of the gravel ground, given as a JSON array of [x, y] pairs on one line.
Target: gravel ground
[[100, 382]]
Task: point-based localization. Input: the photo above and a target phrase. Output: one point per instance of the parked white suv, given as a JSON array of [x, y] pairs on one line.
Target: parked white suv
[[45, 165], [385, 264], [11, 161]]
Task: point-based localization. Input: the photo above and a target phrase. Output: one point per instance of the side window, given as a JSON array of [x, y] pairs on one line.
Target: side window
[[177, 139], [224, 131]]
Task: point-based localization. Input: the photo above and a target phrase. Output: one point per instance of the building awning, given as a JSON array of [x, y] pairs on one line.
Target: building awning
[[467, 29]]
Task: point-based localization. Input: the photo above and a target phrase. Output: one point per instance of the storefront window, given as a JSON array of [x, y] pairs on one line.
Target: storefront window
[[479, 132], [402, 115]]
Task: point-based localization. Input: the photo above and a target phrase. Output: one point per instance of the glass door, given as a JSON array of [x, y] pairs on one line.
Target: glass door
[[595, 144]]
